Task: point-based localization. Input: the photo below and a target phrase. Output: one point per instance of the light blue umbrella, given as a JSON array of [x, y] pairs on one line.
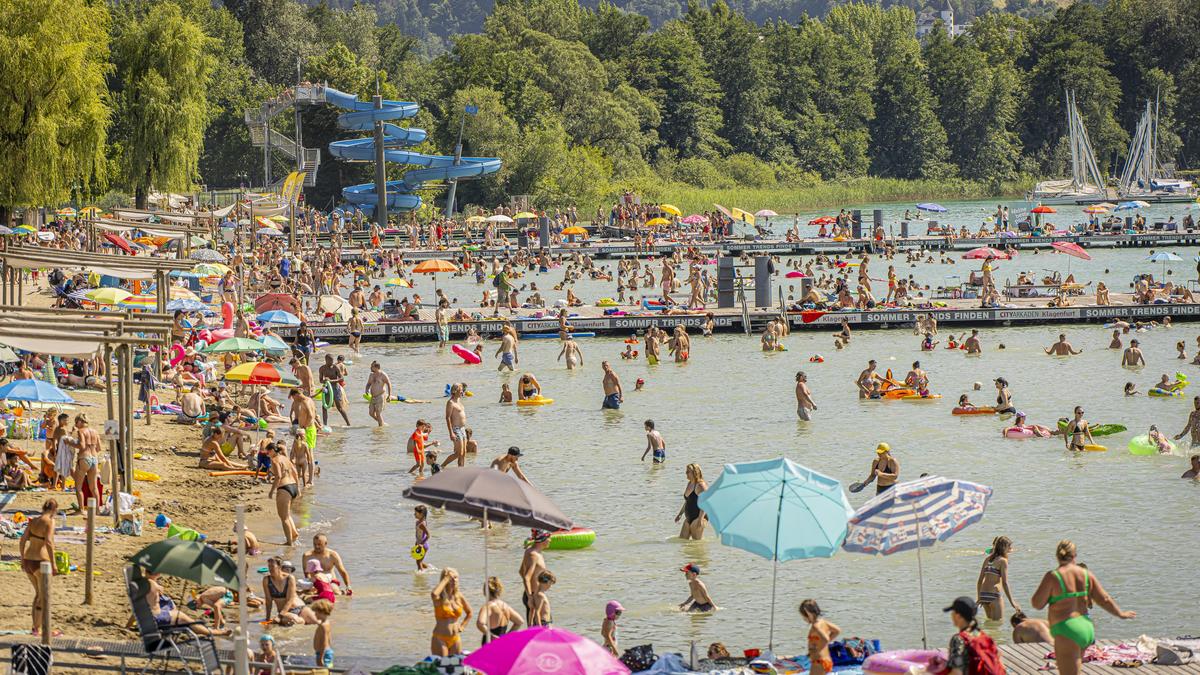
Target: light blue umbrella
[[930, 206], [779, 510], [1131, 206], [1163, 257], [186, 305], [280, 317], [275, 345], [34, 390], [268, 232], [916, 514]]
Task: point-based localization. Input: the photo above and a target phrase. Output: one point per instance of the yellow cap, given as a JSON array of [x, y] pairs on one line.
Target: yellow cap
[[882, 448]]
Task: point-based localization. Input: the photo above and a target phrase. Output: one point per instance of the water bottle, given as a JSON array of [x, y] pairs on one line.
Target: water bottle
[[694, 656], [64, 518]]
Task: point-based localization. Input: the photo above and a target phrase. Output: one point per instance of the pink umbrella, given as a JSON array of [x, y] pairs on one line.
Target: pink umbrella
[[694, 219], [1071, 249], [985, 252], [765, 213], [544, 650], [794, 274]]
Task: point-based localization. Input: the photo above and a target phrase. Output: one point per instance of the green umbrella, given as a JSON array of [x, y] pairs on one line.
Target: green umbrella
[[235, 345], [191, 560]]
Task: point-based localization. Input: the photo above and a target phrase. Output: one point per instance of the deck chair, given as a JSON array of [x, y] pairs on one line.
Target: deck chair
[[162, 643]]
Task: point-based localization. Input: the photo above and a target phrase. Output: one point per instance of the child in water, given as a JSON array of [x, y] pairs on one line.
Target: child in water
[[1159, 440], [420, 513], [698, 598], [629, 354], [323, 637], [655, 442], [505, 393], [1131, 389]]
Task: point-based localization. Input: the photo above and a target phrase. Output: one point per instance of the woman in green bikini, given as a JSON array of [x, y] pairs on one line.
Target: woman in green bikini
[[1069, 622]]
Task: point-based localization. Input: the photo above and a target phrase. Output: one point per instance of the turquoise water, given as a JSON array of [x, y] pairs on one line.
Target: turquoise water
[[1131, 516]]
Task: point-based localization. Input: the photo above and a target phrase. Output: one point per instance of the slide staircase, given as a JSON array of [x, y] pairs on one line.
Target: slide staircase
[[397, 140]]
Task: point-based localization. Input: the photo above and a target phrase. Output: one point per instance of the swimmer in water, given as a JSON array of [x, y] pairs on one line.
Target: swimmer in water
[[528, 387], [1132, 357], [1193, 423], [1076, 432], [1116, 340], [1062, 347], [572, 354], [864, 380], [655, 444], [972, 343], [698, 598], [1131, 389]]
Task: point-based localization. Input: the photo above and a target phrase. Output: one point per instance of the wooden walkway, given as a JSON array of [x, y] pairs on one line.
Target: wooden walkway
[[1030, 659]]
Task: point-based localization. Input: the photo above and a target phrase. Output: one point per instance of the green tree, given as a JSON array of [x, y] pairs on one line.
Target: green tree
[[160, 85], [53, 60], [671, 69]]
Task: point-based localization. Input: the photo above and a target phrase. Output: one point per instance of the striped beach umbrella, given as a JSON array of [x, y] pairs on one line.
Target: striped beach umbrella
[[916, 515]]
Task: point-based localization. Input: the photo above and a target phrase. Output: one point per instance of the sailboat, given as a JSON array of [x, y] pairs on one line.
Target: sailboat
[[1086, 185], [1140, 179]]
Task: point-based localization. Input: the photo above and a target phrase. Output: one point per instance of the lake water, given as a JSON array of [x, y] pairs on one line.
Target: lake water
[[1132, 517]]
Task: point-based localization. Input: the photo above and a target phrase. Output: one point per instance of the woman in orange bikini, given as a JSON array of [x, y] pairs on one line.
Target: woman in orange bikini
[[37, 546], [820, 634], [452, 612]]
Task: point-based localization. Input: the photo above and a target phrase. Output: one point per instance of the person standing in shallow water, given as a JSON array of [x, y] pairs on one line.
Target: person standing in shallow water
[[691, 514]]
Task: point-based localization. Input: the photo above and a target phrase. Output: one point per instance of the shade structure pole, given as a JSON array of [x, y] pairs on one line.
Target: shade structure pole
[[775, 565], [921, 582], [240, 641]]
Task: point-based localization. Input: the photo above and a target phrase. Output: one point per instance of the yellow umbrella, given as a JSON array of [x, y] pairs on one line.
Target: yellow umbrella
[[266, 222], [211, 269], [181, 293], [575, 229], [279, 218], [89, 211], [397, 281], [744, 216], [658, 221], [525, 214], [476, 219], [108, 295], [668, 208]]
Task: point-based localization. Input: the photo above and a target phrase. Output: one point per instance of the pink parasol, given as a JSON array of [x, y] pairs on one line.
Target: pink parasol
[[1071, 249], [694, 219], [794, 274], [985, 252], [544, 650]]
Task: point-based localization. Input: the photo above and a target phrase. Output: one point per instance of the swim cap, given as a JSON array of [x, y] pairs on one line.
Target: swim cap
[[882, 448]]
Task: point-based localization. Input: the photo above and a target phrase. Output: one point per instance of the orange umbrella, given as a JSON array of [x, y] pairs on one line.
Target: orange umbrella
[[435, 266]]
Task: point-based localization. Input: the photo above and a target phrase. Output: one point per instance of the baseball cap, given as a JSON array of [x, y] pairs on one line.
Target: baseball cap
[[539, 536], [963, 606], [882, 448], [611, 609], [641, 381], [690, 567], [515, 451]]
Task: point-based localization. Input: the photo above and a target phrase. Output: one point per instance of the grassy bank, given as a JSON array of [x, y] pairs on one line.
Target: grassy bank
[[831, 195]]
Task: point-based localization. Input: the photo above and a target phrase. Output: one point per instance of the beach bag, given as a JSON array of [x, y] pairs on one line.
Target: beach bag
[[639, 658], [982, 656], [852, 651], [1170, 655]]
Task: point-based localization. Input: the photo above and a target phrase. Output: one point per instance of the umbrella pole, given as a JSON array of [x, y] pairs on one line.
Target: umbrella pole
[[775, 569], [921, 582], [241, 664]]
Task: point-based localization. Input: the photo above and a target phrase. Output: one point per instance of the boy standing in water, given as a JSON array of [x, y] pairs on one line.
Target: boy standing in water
[[655, 442], [699, 600], [421, 512]]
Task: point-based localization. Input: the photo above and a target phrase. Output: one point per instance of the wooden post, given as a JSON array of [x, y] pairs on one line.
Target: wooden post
[[127, 382], [91, 540], [241, 664], [47, 573], [115, 480], [122, 431]]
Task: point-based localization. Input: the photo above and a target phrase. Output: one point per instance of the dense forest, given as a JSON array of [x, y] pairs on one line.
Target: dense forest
[[581, 102]]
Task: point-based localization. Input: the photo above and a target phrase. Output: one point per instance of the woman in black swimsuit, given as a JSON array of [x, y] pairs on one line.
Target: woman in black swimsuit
[[1004, 402], [497, 617], [285, 487], [279, 587], [693, 517]]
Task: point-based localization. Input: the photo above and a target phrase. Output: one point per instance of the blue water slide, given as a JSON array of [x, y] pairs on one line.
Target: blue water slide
[[362, 117]]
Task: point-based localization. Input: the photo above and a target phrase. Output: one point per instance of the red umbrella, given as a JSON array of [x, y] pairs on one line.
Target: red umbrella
[[1071, 249], [823, 220], [119, 241], [1040, 208], [985, 252]]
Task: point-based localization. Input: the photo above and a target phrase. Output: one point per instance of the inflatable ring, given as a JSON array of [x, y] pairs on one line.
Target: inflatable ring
[[418, 552], [177, 354], [901, 662], [1018, 432], [468, 356], [973, 411], [606, 302], [1164, 393], [816, 358], [570, 540], [1142, 446], [535, 400]]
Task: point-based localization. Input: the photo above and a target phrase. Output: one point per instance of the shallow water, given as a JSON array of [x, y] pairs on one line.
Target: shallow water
[[1132, 517]]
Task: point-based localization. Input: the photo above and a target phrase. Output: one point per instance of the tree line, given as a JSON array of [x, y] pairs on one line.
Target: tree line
[[583, 101]]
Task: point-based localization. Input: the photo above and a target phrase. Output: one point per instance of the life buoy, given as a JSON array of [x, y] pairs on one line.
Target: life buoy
[[177, 354]]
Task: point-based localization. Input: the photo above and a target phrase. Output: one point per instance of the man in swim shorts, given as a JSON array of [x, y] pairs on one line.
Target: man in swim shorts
[[330, 374], [1193, 424], [804, 402], [456, 425], [304, 415], [613, 396], [1133, 355], [379, 388]]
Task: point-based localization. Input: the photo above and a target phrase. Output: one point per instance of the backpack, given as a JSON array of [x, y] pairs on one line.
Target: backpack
[[639, 658], [982, 656], [496, 281]]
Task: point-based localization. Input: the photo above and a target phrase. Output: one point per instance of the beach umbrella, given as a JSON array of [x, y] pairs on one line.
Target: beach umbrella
[[1041, 208], [186, 305], [1095, 209], [273, 343], [931, 207], [498, 218], [397, 281], [108, 295], [66, 212], [139, 302], [268, 232], [211, 269], [207, 255], [916, 514], [7, 354], [434, 267], [1164, 257], [180, 293], [671, 209], [722, 209], [1131, 205], [34, 390], [779, 510], [658, 222], [193, 561], [90, 211], [476, 219], [544, 649], [479, 492], [24, 228], [280, 317], [1071, 249], [695, 219], [765, 213], [574, 230], [260, 372], [228, 224], [985, 252], [525, 215], [116, 240], [823, 220], [266, 223], [234, 345], [5, 231]]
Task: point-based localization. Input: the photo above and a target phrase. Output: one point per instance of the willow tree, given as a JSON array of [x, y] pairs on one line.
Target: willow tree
[[160, 86], [53, 110]]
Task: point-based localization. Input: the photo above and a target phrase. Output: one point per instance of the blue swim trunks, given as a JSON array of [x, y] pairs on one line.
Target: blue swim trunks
[[660, 455], [612, 402]]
